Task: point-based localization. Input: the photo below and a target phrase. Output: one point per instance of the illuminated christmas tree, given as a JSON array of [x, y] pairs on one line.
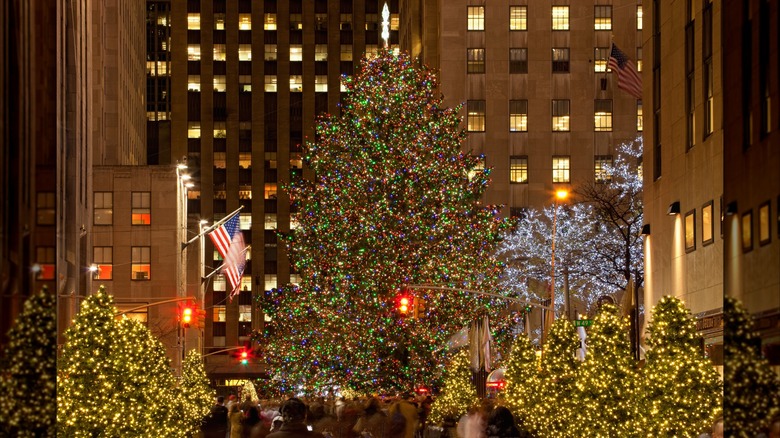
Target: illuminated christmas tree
[[680, 387], [248, 390], [458, 393], [143, 385], [553, 415], [606, 382], [28, 370], [522, 382], [751, 392], [197, 395], [393, 201], [85, 385]]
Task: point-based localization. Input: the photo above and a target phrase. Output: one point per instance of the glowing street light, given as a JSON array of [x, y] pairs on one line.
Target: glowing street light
[[560, 195]]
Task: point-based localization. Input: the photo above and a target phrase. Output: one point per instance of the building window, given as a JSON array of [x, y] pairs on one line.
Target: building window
[[475, 60], [560, 60], [518, 18], [296, 21], [345, 21], [707, 231], [639, 17], [245, 221], [270, 281], [193, 21], [560, 18], [220, 83], [220, 130], [476, 18], [321, 52], [270, 83], [479, 167], [219, 283], [518, 170], [220, 52], [244, 21], [518, 60], [220, 160], [764, 235], [219, 21], [603, 17], [747, 231], [603, 115], [561, 168], [600, 58], [244, 52], [193, 83], [103, 258], [601, 168], [270, 52], [270, 221], [639, 119], [690, 85], [141, 212], [296, 83], [104, 208], [219, 298], [518, 115], [270, 191], [346, 52], [45, 208], [296, 52], [141, 265], [193, 52], [45, 257], [269, 21], [638, 59], [708, 72], [560, 115], [690, 231], [476, 115], [320, 83]]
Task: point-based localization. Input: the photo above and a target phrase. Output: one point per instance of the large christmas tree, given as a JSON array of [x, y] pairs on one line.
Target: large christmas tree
[[28, 370], [522, 381], [554, 414], [85, 370], [197, 396], [458, 393], [752, 390], [680, 389], [393, 201], [606, 385]]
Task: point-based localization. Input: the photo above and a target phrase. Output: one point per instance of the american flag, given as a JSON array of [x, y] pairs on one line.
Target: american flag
[[628, 78], [229, 242]]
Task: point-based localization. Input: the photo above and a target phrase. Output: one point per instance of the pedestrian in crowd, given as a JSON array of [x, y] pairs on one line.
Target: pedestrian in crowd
[[501, 424], [294, 415], [246, 404], [234, 420], [372, 423], [232, 400], [408, 411], [320, 420], [251, 425], [215, 424], [339, 407], [472, 424], [276, 423]]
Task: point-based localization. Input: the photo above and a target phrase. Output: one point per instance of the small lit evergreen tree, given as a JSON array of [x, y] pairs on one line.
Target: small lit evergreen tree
[[197, 395], [606, 383], [85, 370], [555, 411], [248, 390], [680, 387], [752, 390], [458, 393], [28, 370], [522, 381]]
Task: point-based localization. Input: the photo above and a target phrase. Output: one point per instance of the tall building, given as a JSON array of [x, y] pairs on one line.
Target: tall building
[[30, 119], [751, 181], [539, 102], [683, 160], [247, 79]]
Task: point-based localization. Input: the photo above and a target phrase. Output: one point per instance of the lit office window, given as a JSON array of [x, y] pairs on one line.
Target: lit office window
[[193, 52], [346, 52], [603, 115], [560, 60], [296, 21], [518, 170], [518, 115], [270, 282], [45, 205], [518, 18], [220, 130], [245, 221], [321, 83], [269, 21], [476, 17], [601, 166], [219, 21], [220, 160], [141, 213], [103, 258], [193, 83], [245, 21], [270, 221], [141, 265], [193, 21], [270, 191], [220, 52], [270, 83], [244, 52], [345, 21], [639, 17], [104, 208], [296, 52], [560, 18], [270, 52], [638, 59], [220, 83], [600, 59], [244, 160], [475, 60], [475, 115], [518, 61], [560, 115], [296, 83], [320, 52], [372, 51], [603, 17], [561, 168], [245, 83], [45, 257], [639, 120], [193, 129]]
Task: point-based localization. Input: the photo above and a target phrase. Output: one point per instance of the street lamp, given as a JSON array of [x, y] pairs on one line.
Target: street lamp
[[560, 195]]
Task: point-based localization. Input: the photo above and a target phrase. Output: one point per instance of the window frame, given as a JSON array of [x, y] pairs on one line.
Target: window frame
[[518, 66], [746, 225], [563, 119], [764, 225], [518, 169], [475, 21], [707, 216], [602, 120], [556, 169], [101, 207], [140, 257], [476, 121], [601, 174], [604, 21], [103, 262], [518, 115], [475, 60], [518, 18], [46, 259], [140, 207], [560, 65], [560, 22], [45, 208], [689, 231]]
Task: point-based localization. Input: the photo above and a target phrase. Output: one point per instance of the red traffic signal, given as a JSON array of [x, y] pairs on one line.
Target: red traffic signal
[[244, 357], [403, 305], [186, 317]]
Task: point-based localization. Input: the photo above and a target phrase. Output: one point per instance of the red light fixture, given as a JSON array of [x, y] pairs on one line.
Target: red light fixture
[[186, 316]]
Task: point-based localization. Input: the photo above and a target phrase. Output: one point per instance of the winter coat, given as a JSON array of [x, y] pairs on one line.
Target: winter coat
[[235, 424]]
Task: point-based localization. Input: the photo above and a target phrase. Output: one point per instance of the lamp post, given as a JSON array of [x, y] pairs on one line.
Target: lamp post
[[559, 195]]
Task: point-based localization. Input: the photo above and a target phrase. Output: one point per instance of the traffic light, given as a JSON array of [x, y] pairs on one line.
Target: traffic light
[[244, 357], [403, 306], [419, 307], [186, 316], [200, 318]]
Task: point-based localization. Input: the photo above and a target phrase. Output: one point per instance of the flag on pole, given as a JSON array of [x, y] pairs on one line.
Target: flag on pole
[[229, 242], [628, 78]]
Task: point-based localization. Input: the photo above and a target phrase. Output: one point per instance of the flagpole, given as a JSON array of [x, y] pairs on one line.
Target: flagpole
[[212, 228], [211, 274]]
